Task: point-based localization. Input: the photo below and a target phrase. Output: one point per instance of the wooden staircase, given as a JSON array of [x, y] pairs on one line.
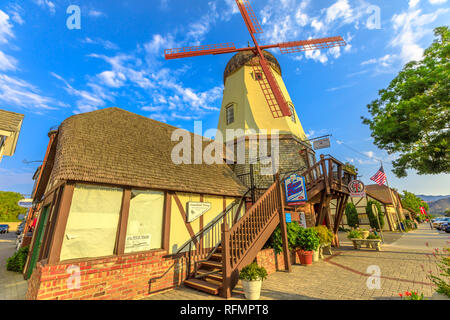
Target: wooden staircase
[[239, 244], [219, 272]]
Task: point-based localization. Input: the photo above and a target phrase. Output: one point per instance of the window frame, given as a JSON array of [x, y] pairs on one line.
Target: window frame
[[292, 109], [229, 107]]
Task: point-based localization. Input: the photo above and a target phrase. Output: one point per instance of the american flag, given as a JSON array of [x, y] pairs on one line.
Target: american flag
[[379, 177]]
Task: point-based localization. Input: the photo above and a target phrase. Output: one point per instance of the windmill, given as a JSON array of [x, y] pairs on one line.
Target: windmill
[[263, 73]]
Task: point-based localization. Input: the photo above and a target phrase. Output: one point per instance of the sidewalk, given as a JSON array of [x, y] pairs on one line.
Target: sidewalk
[[12, 284], [344, 275]]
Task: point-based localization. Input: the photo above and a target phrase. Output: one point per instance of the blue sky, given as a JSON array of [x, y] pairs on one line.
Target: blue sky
[[49, 72]]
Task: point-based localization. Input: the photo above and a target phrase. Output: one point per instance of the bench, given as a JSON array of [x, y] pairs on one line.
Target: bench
[[370, 243]]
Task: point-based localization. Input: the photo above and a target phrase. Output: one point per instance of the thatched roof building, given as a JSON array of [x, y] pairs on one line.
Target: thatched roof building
[[114, 146]]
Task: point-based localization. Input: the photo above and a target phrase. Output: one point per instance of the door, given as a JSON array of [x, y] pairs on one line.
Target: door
[[37, 241]]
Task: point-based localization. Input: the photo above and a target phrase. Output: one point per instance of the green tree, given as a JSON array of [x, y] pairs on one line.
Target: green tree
[[412, 116], [413, 202], [350, 167], [352, 215], [9, 210], [372, 216]]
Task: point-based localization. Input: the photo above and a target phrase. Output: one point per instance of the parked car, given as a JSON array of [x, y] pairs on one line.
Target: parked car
[[448, 228], [443, 226], [438, 224], [4, 228]]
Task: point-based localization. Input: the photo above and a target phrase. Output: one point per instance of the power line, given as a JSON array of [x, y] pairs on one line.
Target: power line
[[354, 150]]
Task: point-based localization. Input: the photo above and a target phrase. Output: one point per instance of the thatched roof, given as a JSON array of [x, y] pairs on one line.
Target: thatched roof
[[244, 58], [114, 146], [380, 193]]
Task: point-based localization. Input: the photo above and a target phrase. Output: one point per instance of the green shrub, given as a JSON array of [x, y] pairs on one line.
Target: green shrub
[[442, 281], [293, 228], [17, 261], [373, 236], [308, 239], [372, 215], [354, 234], [253, 272], [325, 235], [352, 215]]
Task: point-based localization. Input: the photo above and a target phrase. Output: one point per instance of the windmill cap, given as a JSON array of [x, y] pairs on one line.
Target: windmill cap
[[243, 58]]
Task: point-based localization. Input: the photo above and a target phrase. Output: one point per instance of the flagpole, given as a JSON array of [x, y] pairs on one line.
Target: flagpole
[[392, 199]]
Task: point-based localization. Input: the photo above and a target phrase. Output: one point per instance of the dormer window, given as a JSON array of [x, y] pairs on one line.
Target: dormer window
[[258, 76], [230, 114]]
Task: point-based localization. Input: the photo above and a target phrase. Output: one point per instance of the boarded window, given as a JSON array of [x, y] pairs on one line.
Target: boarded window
[[145, 221], [230, 114], [92, 224]]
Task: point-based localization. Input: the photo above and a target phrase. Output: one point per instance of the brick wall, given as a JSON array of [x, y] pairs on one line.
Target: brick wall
[[274, 262], [120, 277]]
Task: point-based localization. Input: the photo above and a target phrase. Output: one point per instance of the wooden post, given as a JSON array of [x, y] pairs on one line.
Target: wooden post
[[226, 266], [123, 221], [325, 175], [286, 252], [61, 222]]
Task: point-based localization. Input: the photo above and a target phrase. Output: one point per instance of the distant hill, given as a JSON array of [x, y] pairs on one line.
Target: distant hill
[[431, 198], [439, 206]]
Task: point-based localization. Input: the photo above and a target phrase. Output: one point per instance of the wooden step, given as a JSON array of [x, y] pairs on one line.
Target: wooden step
[[203, 285], [206, 274], [216, 257], [212, 264]]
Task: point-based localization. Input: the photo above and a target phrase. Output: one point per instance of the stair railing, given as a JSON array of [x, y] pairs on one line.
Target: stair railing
[[238, 242]]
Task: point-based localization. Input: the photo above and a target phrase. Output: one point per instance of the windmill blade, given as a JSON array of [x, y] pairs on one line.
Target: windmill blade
[[313, 44], [272, 92], [249, 16], [199, 50]]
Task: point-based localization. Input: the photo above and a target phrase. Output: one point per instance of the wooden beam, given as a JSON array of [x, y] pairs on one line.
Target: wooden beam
[[61, 223], [286, 252], [184, 216], [167, 216], [123, 222]]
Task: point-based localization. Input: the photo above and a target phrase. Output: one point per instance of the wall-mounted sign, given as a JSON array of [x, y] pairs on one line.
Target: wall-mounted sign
[[357, 189], [322, 144], [196, 209], [302, 220], [138, 243], [25, 203], [288, 217], [295, 190]]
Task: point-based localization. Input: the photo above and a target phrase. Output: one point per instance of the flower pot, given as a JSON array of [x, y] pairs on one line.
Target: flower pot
[[252, 289], [305, 257], [439, 296], [365, 234], [316, 254]]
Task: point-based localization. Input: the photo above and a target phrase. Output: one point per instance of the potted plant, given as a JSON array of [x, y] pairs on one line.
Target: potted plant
[[354, 234], [325, 239], [252, 277], [364, 233], [307, 242]]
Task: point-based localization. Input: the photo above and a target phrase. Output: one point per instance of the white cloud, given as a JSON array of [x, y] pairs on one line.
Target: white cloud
[[20, 93], [7, 63], [5, 28], [438, 1], [339, 10], [413, 3], [112, 79], [15, 12], [46, 4], [409, 28], [104, 43], [384, 61], [95, 13]]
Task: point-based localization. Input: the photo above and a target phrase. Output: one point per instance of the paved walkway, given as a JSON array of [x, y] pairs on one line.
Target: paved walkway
[[403, 265], [12, 284]]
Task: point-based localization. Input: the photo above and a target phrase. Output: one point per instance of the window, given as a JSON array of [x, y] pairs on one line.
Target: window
[[291, 107], [92, 223], [258, 76], [145, 221], [230, 114]]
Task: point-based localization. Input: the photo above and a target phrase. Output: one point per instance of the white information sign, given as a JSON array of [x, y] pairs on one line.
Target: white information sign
[[138, 243], [196, 209], [322, 144], [302, 220]]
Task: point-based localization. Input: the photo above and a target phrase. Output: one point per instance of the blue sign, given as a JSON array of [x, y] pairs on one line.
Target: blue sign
[[295, 190], [288, 218]]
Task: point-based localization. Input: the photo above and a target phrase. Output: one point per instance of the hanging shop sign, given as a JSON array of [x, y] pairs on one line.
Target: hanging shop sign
[[302, 220], [135, 243], [295, 190], [196, 209], [357, 189], [25, 203], [322, 144]]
